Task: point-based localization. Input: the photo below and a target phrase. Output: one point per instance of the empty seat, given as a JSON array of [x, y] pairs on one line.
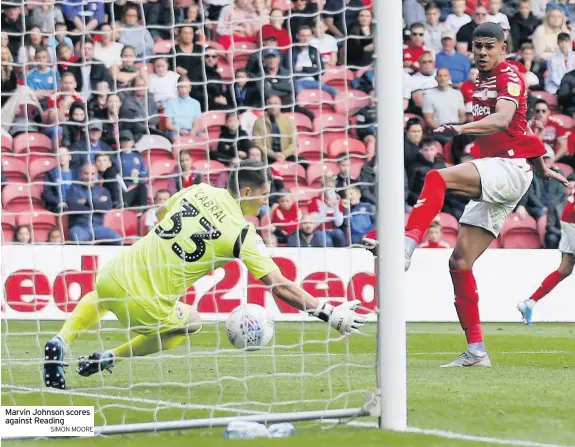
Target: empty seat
[[124, 222], [38, 167], [210, 169], [311, 148], [6, 143], [197, 146], [520, 233], [330, 121], [162, 46], [213, 120], [293, 173], [338, 77], [149, 142], [14, 169], [346, 146], [351, 101], [32, 142], [284, 5], [160, 174], [20, 197], [304, 195], [225, 71], [356, 165], [316, 171], [316, 100], [302, 122]]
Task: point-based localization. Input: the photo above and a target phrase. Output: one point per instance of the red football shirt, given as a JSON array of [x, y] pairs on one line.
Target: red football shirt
[[413, 53], [467, 89], [55, 100], [571, 144], [569, 211], [504, 83], [287, 220], [553, 131]]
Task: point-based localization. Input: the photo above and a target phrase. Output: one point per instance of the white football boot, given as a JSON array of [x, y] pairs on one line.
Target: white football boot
[[468, 359]]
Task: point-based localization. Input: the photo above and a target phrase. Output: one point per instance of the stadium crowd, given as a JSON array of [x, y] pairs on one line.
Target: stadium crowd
[[109, 108]]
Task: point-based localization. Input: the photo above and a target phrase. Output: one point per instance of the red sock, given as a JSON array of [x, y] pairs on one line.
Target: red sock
[[547, 285], [466, 304], [427, 207]]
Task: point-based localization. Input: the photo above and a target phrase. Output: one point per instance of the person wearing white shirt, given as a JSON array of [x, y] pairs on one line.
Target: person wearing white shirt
[[150, 218], [425, 79], [562, 61], [163, 83], [325, 43], [108, 50], [458, 18]]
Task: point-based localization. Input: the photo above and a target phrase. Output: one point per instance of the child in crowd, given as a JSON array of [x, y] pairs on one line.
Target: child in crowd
[[285, 217], [434, 237]]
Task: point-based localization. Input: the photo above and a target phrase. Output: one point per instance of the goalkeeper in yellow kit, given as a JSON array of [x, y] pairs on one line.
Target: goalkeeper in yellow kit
[[200, 228]]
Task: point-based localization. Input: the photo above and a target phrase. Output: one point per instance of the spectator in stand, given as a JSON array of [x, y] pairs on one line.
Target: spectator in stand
[[238, 23], [85, 16], [523, 24], [151, 218], [433, 27], [566, 93], [88, 204], [233, 143], [134, 34], [434, 237], [359, 215], [184, 175], [112, 123], [570, 158], [84, 151], [210, 93], [458, 17], [188, 60], [457, 63], [304, 61], [46, 16], [286, 217], [495, 15], [465, 33], [65, 58], [98, 102], [461, 144], [366, 121], [108, 50], [127, 71], [134, 172], [325, 43], [55, 236], [550, 129], [546, 34], [155, 19], [275, 80], [14, 23], [277, 30], [256, 62], [443, 105], [75, 128], [327, 211], [412, 95], [89, 71], [162, 83], [57, 181], [344, 180], [58, 38], [425, 161], [26, 55], [413, 12], [9, 80], [194, 20], [368, 181], [535, 69], [240, 94], [303, 12], [412, 141], [254, 153], [23, 235], [566, 7], [415, 48], [426, 78], [340, 15], [45, 79], [562, 61], [275, 133], [468, 87], [140, 109], [308, 235], [59, 103], [183, 114], [360, 45]]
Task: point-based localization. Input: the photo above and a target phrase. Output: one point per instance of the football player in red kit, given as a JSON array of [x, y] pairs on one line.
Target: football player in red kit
[[495, 181], [567, 249]]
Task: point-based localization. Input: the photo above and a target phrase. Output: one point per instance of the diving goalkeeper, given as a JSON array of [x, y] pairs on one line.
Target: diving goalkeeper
[[200, 229]]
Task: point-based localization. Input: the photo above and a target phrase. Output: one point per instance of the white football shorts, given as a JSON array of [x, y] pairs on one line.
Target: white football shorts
[[567, 243], [504, 181]]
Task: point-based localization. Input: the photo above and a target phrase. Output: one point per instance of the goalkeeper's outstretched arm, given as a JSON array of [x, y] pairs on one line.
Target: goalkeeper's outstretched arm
[[343, 318]]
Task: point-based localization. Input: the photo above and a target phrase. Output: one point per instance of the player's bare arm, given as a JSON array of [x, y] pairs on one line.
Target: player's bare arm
[[343, 318]]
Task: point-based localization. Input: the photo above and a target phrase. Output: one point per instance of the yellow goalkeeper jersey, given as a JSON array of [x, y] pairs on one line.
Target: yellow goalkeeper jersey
[[203, 229]]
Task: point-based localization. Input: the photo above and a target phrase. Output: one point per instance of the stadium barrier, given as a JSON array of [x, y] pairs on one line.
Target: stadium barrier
[[43, 282]]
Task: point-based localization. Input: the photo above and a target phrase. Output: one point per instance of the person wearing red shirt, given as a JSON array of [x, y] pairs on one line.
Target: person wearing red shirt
[[59, 103], [567, 249], [327, 211], [286, 217], [276, 29], [434, 233], [495, 182], [415, 47], [468, 87], [550, 129]]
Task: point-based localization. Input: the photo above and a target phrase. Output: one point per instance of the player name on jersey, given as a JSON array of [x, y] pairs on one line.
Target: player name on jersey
[[210, 206]]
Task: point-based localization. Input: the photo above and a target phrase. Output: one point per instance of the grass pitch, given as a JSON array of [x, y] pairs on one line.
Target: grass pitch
[[528, 395]]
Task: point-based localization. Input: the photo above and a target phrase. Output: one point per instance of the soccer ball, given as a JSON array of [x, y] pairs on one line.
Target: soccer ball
[[249, 327]]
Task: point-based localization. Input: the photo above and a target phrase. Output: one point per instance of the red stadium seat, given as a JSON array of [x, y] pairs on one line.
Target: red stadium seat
[[330, 121], [32, 142], [311, 148], [351, 101], [408, 116], [356, 165], [148, 142], [197, 146], [38, 167], [302, 122], [160, 173], [162, 47], [550, 98], [566, 169], [6, 143], [284, 5], [124, 222], [293, 173], [359, 73], [41, 222], [338, 77], [225, 71], [450, 228], [520, 233], [14, 169], [316, 100], [447, 154], [213, 120], [346, 146], [566, 120], [215, 45], [304, 196], [8, 227], [210, 169], [316, 171], [21, 197]]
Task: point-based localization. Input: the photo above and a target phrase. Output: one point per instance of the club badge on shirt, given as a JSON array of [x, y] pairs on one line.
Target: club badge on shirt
[[513, 89]]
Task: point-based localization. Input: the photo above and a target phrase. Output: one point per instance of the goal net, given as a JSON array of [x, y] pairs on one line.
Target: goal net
[[86, 81]]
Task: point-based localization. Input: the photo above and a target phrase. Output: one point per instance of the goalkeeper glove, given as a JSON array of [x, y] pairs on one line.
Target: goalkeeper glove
[[342, 318]]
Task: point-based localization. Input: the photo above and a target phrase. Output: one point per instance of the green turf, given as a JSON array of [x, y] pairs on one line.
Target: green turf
[[529, 394]]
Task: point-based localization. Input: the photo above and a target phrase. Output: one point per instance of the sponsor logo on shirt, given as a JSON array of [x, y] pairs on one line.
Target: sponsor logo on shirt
[[478, 110], [513, 89]]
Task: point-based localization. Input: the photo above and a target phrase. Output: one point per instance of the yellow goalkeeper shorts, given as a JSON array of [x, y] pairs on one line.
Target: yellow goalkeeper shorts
[[143, 315]]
